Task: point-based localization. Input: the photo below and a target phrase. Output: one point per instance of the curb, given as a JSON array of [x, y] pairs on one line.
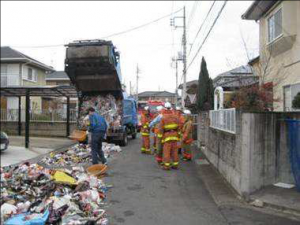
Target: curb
[[236, 199], [232, 198], [280, 208]]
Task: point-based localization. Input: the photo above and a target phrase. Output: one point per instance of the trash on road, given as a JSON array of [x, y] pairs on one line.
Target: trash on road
[[34, 194], [78, 155]]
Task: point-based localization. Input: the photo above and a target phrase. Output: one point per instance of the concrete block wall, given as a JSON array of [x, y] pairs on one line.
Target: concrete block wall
[[222, 149], [42, 129], [256, 156]]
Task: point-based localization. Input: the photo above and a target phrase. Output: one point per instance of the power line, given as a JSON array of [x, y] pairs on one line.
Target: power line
[[141, 26], [216, 19], [202, 26], [192, 13], [112, 35]]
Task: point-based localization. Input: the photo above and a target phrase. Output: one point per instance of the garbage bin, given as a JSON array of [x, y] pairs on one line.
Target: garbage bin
[[294, 147]]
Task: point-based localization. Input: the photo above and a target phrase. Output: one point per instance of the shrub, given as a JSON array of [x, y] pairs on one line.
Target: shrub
[[253, 98]]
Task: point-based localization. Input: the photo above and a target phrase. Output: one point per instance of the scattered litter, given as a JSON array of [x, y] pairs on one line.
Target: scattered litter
[[257, 203], [284, 185], [29, 219], [78, 155], [56, 190], [61, 177]]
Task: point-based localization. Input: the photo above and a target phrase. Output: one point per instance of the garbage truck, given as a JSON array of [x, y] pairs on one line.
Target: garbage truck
[[93, 67]]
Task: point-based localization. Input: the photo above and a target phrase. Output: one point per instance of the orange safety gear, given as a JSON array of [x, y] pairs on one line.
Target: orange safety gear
[[181, 122], [145, 131], [155, 131], [187, 139], [170, 151], [158, 144], [168, 131]]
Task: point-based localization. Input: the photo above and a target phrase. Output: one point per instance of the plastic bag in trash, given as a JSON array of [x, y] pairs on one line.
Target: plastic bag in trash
[[62, 177], [28, 219], [90, 195], [8, 209]]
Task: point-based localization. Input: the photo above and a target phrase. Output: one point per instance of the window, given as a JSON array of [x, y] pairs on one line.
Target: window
[[31, 75], [275, 25], [290, 93], [3, 68]]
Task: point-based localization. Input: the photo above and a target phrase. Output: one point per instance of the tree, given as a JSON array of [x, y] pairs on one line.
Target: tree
[[296, 101], [205, 89]]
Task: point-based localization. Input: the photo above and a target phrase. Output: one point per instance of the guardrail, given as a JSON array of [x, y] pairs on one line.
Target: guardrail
[[38, 115], [223, 119]]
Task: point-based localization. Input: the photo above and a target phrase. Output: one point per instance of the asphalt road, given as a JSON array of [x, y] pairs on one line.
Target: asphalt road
[[143, 194]]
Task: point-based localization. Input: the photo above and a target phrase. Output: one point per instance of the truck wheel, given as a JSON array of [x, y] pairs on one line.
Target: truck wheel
[[124, 142]]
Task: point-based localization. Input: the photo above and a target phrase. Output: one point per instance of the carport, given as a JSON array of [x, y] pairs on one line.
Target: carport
[[38, 91]]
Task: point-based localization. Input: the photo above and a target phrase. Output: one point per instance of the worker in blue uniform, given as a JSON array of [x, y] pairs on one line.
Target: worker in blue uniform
[[97, 128]]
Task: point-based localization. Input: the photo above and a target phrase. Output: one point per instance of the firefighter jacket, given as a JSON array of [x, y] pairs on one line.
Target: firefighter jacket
[[187, 137], [145, 120], [181, 120], [169, 127]]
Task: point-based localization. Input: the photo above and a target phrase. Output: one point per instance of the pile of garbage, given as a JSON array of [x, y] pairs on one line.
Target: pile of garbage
[[79, 154], [107, 106], [32, 194]]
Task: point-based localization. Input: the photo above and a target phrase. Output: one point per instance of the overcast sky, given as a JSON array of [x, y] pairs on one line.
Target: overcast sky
[[25, 25]]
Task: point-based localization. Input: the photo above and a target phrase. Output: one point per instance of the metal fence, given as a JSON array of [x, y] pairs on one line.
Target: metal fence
[[223, 119], [39, 115]]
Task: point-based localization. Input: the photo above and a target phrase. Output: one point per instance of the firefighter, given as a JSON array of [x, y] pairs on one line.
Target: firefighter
[[168, 130], [187, 137], [154, 131], [179, 113], [155, 124], [145, 131]]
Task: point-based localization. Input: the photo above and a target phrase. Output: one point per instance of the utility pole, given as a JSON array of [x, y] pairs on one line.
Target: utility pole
[[176, 90], [184, 60], [130, 88], [137, 82], [176, 74]]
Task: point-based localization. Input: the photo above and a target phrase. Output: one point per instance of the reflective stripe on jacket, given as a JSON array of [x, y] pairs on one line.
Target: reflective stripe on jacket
[[168, 128]]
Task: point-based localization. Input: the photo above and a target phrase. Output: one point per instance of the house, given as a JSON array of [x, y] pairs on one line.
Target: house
[[58, 78], [191, 93], [234, 79], [164, 96], [279, 48], [18, 69]]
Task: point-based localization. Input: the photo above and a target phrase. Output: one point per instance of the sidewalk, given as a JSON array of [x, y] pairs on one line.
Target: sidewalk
[[280, 198], [17, 153], [283, 201]]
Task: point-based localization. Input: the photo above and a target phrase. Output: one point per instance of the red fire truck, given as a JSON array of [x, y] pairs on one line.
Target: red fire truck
[[152, 104]]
